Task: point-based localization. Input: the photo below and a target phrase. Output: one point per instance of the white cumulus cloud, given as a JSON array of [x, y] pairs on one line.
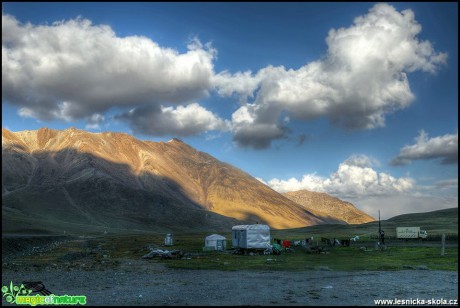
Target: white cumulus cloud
[[361, 79], [442, 147], [354, 177], [74, 69], [186, 120]]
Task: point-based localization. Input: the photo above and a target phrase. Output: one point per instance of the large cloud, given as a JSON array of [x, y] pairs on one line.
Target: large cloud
[[250, 132], [181, 121], [362, 78], [444, 148], [73, 69], [354, 177], [76, 70]]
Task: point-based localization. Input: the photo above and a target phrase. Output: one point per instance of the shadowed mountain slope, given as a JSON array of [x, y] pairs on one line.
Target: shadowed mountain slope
[[54, 179]]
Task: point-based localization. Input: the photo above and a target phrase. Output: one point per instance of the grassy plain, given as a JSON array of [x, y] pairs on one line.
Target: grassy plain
[[107, 251]]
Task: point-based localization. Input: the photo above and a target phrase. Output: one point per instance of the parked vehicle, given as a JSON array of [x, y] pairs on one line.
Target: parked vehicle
[[251, 236], [410, 233]]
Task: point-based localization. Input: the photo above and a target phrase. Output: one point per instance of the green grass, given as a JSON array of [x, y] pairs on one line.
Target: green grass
[[398, 255], [133, 247], [335, 258], [339, 258]]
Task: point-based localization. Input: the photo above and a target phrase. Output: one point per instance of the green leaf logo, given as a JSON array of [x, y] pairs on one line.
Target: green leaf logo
[[13, 291]]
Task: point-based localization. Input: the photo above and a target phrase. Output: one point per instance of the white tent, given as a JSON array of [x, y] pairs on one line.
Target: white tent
[[251, 236], [218, 242]]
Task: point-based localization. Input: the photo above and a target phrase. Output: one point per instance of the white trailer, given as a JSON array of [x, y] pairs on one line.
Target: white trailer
[[251, 236], [410, 233]]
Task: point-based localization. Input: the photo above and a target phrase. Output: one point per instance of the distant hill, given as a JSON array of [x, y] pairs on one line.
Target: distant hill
[[325, 205], [440, 221], [435, 222], [449, 214]]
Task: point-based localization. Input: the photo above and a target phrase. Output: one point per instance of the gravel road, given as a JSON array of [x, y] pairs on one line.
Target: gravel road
[[142, 282]]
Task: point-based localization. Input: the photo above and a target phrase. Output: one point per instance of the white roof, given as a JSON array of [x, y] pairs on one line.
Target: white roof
[[215, 237], [251, 227]]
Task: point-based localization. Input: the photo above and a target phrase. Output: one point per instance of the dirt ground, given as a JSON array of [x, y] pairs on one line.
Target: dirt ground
[[142, 282]]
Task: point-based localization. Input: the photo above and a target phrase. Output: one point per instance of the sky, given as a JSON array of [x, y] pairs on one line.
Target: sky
[[357, 100]]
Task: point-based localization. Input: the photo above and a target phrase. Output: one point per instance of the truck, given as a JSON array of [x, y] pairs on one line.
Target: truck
[[410, 233]]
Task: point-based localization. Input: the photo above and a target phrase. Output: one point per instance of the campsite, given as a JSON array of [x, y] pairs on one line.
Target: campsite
[[109, 267], [106, 251]]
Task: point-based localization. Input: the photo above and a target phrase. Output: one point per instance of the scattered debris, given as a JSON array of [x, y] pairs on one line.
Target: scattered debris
[[422, 267], [276, 248], [251, 252], [345, 243], [408, 267], [323, 268], [164, 254], [315, 249]]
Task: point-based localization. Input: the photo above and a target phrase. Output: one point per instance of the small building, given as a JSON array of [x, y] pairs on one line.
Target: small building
[[251, 236], [215, 242], [169, 239]]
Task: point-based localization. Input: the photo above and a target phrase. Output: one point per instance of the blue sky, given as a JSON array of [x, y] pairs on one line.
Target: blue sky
[[358, 100]]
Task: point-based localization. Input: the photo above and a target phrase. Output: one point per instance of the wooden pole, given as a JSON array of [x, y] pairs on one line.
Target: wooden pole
[[443, 245]]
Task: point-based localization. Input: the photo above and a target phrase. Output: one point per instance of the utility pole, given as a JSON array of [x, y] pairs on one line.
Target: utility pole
[[381, 233], [443, 244]]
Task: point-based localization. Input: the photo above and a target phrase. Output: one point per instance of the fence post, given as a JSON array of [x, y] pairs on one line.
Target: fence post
[[443, 245]]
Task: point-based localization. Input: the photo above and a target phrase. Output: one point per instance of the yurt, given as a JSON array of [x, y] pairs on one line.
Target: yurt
[[215, 242]]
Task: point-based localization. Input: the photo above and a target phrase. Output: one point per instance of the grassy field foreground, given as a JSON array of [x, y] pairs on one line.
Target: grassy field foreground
[[106, 251], [359, 256], [109, 251], [343, 258]]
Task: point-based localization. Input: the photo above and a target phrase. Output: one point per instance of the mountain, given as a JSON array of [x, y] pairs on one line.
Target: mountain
[[76, 180], [327, 206]]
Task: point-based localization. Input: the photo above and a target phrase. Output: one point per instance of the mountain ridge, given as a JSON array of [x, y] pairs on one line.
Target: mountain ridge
[[72, 163], [323, 204]]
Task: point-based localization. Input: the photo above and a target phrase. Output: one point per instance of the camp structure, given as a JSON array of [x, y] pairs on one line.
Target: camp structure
[[169, 239], [251, 236], [215, 242]]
